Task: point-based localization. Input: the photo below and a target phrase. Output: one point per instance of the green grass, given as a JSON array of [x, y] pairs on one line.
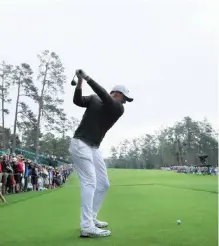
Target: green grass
[[142, 208]]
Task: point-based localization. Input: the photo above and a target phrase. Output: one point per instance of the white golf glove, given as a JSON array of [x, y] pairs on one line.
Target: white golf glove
[[81, 74]]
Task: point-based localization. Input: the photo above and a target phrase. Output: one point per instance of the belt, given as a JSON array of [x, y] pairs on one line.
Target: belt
[[87, 142]]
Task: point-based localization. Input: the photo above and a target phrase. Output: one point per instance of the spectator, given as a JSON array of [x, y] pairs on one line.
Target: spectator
[[17, 175], [26, 173], [11, 184], [34, 176], [50, 178], [1, 174], [193, 170], [45, 176], [19, 171], [7, 174]]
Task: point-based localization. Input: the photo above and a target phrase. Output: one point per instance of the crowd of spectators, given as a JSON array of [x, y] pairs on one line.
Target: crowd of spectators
[[199, 170], [44, 158], [18, 174]]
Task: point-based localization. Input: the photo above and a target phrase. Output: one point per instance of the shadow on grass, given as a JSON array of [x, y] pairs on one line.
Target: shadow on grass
[[69, 238], [189, 188], [172, 186]]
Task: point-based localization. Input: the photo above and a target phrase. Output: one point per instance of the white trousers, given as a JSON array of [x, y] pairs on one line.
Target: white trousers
[[93, 177]]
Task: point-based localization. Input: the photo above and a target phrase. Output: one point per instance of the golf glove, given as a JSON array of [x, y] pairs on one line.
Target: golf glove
[[81, 74]]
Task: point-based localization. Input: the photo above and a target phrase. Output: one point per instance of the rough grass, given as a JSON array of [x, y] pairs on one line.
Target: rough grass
[[142, 208]]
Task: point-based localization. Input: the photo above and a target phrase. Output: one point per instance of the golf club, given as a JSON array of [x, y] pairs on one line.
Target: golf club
[[73, 82]]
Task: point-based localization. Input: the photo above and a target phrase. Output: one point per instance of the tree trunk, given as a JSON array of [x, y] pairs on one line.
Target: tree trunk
[[63, 130], [38, 129], [161, 153], [3, 114], [178, 151], [15, 118], [39, 114]]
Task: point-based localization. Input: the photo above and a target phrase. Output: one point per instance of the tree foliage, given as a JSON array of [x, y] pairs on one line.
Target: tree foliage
[[22, 79], [52, 145], [51, 79], [179, 145], [5, 85], [48, 130]]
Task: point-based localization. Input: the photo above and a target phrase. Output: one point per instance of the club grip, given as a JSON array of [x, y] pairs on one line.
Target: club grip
[[73, 82], [79, 71]]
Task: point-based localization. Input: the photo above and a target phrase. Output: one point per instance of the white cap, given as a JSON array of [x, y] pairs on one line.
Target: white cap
[[124, 91]]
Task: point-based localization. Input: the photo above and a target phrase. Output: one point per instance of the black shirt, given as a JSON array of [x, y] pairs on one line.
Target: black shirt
[[6, 166], [34, 171], [101, 114]]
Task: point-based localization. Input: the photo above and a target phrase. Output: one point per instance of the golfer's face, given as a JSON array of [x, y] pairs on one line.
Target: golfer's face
[[118, 96], [121, 98]]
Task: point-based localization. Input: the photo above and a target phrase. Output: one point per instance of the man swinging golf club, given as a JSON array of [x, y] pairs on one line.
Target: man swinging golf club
[[102, 111]]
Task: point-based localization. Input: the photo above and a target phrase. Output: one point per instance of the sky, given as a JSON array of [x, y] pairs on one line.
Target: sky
[[164, 51]]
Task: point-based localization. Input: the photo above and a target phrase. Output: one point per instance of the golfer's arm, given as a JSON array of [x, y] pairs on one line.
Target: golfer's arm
[[79, 100], [101, 92]]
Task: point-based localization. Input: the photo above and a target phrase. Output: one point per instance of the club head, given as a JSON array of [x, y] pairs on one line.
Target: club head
[[73, 82]]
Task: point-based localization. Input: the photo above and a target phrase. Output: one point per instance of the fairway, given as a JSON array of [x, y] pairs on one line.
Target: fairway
[[142, 208]]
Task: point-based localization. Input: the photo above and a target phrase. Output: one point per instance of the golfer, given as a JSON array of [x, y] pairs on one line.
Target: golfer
[[102, 111]]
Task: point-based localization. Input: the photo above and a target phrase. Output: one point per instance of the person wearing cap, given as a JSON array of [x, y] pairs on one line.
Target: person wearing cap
[[19, 170], [103, 109], [26, 173]]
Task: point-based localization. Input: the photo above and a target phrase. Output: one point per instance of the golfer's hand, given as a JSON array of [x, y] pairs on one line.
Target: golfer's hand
[[81, 74], [79, 84]]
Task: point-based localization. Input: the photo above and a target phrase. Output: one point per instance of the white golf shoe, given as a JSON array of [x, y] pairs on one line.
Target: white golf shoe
[[100, 224], [94, 232]]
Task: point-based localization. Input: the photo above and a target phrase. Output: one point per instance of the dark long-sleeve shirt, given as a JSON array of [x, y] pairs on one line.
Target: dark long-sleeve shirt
[[102, 111], [6, 166]]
